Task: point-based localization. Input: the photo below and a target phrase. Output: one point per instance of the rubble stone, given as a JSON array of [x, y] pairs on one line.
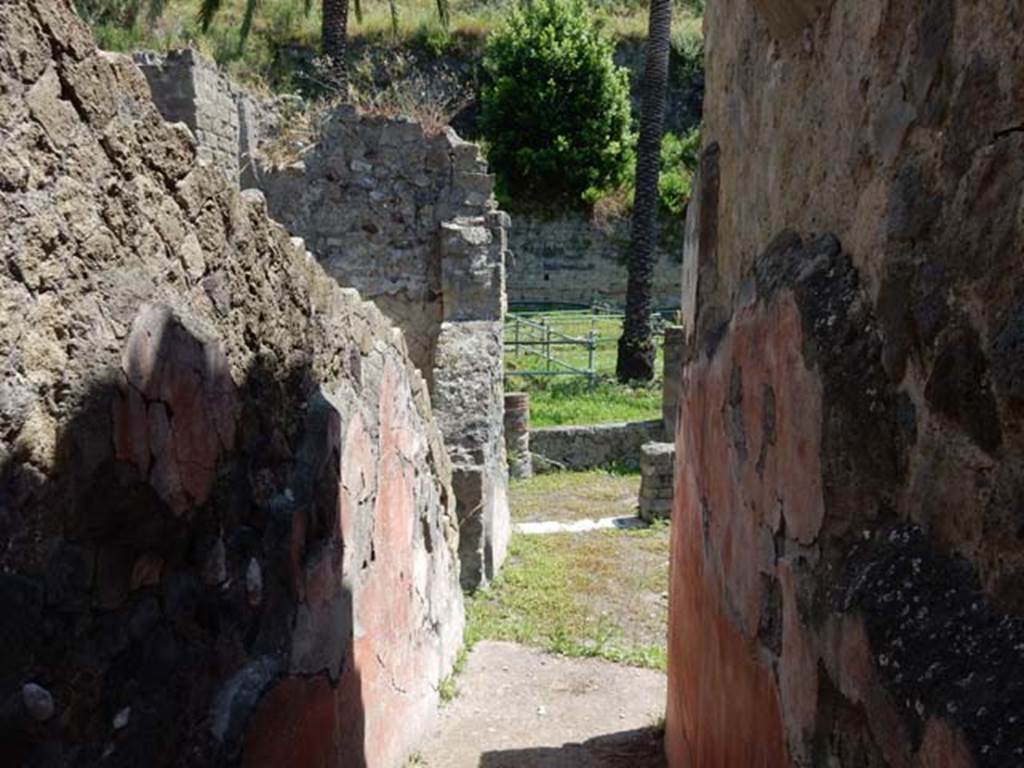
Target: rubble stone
[[204, 438], [408, 219], [846, 564]]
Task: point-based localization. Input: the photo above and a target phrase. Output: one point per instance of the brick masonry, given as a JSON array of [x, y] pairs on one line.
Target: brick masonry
[[192, 90]]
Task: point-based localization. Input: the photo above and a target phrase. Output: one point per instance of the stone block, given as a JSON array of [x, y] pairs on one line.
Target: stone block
[[399, 131], [657, 461], [472, 270]]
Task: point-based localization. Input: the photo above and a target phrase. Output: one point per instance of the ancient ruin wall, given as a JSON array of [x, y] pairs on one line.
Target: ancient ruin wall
[[571, 258], [410, 220], [847, 562], [191, 90], [370, 198], [226, 526]]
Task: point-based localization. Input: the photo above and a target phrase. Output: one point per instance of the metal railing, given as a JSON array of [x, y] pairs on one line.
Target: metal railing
[[541, 336], [537, 337]]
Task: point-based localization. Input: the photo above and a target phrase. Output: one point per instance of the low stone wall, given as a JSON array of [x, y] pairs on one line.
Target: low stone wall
[[657, 461], [588, 447], [570, 258]]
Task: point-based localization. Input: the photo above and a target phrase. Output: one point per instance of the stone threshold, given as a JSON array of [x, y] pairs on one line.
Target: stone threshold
[[580, 526]]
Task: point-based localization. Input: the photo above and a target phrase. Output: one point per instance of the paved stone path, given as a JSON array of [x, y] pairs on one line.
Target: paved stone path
[[580, 526], [521, 708]]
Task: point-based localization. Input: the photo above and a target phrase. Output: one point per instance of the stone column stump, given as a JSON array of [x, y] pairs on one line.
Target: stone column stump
[[517, 434], [656, 465]]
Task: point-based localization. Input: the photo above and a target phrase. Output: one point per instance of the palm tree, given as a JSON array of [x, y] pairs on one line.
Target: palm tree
[[636, 346], [334, 39]]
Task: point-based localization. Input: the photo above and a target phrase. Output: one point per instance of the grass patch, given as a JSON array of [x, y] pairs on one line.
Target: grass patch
[[574, 495], [593, 595], [565, 400], [575, 401], [449, 688], [600, 594]]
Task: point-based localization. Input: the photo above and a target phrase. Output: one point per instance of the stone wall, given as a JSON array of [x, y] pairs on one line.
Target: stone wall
[[847, 565], [226, 529], [410, 220], [370, 198], [588, 447], [571, 258], [189, 89]]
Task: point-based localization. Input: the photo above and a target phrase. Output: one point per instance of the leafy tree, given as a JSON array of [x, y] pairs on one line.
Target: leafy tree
[[636, 345], [555, 108]]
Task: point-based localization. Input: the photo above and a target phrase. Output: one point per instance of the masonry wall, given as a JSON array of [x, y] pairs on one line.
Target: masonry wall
[[378, 202], [225, 510], [369, 199], [847, 564], [410, 220], [592, 446], [572, 258], [190, 89]]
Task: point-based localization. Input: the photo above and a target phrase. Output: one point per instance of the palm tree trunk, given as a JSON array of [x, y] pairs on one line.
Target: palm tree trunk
[[334, 38], [636, 347]]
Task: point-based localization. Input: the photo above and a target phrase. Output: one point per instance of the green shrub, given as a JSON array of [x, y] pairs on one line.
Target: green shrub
[[679, 158], [555, 108], [687, 56]]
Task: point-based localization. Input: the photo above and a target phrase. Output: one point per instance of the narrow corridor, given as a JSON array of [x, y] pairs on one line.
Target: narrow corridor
[[522, 708]]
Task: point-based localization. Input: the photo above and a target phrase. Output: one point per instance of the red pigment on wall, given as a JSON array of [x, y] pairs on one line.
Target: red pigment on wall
[[746, 461]]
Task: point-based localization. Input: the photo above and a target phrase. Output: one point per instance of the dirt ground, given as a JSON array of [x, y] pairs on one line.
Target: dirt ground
[[522, 708]]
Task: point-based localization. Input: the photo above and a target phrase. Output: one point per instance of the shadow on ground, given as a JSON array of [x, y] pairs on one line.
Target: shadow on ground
[[640, 748]]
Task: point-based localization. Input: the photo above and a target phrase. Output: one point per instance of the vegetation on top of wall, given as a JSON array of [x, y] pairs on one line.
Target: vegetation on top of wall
[[285, 34], [427, 72], [555, 107]]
